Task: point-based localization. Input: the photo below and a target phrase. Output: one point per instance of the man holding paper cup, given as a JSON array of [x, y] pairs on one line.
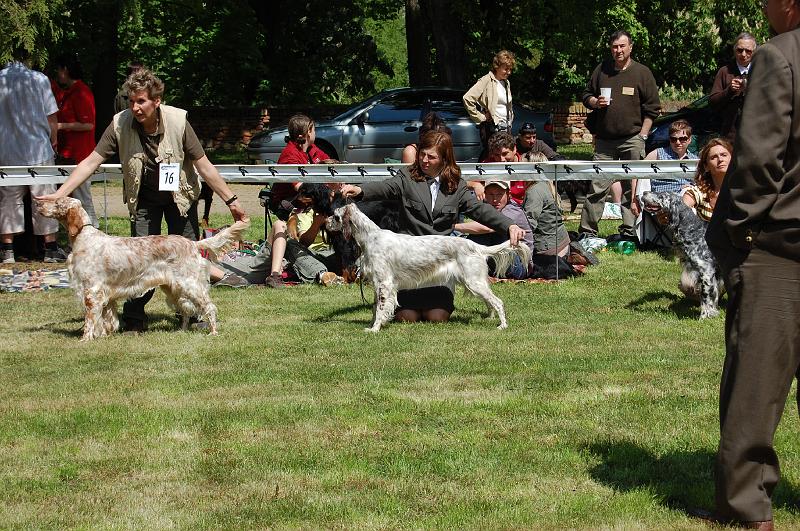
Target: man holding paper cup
[[623, 96]]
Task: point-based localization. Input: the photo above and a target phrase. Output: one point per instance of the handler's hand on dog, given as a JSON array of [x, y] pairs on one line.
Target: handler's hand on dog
[[350, 190], [636, 208], [515, 234], [49, 197], [237, 211]]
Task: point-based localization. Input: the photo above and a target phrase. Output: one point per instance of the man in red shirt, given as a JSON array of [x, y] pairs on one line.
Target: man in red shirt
[[76, 122]]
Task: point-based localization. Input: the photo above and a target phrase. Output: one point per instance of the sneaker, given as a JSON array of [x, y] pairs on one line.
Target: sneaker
[[133, 327], [275, 281], [8, 256], [232, 280], [54, 256], [623, 238]]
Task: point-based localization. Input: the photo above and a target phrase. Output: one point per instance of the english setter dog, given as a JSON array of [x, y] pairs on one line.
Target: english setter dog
[[701, 276], [398, 261], [104, 269]]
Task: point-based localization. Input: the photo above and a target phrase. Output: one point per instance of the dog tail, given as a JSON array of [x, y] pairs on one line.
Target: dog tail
[[503, 255], [223, 241]]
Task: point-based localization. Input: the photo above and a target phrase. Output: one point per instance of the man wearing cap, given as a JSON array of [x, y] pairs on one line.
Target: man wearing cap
[[527, 142], [497, 195]]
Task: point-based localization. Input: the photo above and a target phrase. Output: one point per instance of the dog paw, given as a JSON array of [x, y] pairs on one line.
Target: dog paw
[[373, 330], [502, 326], [709, 314]]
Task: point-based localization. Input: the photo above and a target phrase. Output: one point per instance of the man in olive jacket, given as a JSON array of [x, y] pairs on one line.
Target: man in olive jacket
[[755, 236]]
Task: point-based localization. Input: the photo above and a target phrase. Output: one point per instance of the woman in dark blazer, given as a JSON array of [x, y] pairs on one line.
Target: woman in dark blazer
[[432, 195]]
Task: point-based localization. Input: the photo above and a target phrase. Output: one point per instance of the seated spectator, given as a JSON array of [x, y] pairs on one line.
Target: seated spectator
[[298, 242], [680, 136], [431, 122], [528, 143], [497, 195], [711, 169], [503, 148], [300, 149], [543, 211]]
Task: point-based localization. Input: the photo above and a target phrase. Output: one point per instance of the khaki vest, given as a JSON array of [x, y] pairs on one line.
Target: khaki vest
[[170, 149]]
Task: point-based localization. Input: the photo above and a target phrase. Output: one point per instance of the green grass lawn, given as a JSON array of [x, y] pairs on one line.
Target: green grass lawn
[[596, 408]]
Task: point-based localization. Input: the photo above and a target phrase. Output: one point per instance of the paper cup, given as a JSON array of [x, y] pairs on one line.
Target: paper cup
[[606, 93]]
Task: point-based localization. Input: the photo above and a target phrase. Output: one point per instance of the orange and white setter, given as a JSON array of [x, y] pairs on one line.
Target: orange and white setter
[[104, 269]]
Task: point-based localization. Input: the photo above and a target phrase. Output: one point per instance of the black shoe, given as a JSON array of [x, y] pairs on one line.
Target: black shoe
[[134, 326], [622, 238]]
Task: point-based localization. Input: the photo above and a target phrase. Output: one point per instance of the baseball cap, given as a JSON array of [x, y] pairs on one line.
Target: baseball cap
[[527, 127], [505, 185]]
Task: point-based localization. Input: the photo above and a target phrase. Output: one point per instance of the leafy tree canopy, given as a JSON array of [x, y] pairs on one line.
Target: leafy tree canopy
[[243, 52]]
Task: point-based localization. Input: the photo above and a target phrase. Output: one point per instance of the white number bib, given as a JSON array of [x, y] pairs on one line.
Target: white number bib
[[169, 176]]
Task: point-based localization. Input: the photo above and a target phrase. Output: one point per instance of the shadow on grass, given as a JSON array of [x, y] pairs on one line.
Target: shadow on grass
[[680, 480], [73, 327], [670, 303], [460, 315]]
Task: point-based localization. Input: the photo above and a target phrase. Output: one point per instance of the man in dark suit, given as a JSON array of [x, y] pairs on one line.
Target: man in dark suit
[[727, 94], [755, 235]]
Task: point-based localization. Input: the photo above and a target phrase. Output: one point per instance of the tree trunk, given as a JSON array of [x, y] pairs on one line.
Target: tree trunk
[[105, 82], [449, 41], [419, 60]]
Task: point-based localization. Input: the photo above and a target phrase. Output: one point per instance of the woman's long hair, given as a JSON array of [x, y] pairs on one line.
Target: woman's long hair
[[702, 177], [450, 174]]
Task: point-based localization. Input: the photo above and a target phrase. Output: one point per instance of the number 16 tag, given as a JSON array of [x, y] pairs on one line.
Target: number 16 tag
[[169, 176]]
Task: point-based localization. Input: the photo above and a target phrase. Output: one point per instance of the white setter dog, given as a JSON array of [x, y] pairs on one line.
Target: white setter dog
[[398, 261], [104, 269]]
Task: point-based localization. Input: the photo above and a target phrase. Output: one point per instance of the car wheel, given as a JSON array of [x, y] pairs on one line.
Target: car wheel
[[327, 147]]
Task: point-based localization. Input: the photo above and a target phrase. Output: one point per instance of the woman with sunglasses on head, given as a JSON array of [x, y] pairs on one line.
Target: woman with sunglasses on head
[[680, 136]]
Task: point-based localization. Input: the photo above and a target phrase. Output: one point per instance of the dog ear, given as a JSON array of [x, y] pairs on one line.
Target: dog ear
[[73, 222], [346, 230]]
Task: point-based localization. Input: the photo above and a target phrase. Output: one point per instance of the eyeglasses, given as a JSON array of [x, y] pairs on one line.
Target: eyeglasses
[[747, 51], [679, 139]]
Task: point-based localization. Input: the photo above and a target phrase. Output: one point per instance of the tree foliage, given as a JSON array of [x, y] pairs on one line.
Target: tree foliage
[[29, 25], [243, 52]]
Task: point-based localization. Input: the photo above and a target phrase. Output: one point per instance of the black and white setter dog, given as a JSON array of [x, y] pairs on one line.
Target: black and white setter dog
[[385, 214], [398, 261], [701, 277]]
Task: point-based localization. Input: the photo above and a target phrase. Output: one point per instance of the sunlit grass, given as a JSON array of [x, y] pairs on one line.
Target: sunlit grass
[[597, 408]]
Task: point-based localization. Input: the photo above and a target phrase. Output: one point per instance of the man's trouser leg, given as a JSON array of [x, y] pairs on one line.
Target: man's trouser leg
[[630, 149], [762, 359], [595, 200], [306, 265]]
